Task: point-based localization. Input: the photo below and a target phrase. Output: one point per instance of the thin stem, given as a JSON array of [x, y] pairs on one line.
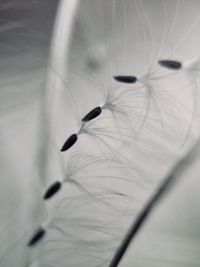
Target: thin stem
[[163, 188]]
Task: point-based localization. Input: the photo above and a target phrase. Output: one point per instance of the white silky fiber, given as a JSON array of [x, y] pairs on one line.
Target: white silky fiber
[[115, 60]]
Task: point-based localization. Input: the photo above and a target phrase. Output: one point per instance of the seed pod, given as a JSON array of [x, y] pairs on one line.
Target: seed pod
[[125, 79], [170, 64], [92, 114], [70, 142], [38, 235], [52, 190]]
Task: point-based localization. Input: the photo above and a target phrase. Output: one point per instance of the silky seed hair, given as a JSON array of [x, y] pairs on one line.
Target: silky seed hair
[[122, 96]]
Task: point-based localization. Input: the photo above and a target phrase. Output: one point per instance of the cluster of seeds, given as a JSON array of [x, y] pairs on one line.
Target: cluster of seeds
[[96, 112]]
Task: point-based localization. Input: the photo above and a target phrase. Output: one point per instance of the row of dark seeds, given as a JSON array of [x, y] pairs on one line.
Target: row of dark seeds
[[94, 113]]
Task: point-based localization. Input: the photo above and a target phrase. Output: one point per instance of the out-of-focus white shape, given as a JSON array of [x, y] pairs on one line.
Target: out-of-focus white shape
[[55, 87]]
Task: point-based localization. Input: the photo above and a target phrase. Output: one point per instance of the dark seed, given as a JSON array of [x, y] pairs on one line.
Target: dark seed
[[125, 79], [70, 142], [92, 114], [52, 190], [170, 64], [38, 235]]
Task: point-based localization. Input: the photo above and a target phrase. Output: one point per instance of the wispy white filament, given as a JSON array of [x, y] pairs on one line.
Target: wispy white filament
[[122, 154]]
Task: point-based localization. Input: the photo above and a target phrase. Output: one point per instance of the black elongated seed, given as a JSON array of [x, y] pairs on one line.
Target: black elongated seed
[[70, 142], [38, 235], [92, 114], [52, 190], [125, 79], [170, 64]]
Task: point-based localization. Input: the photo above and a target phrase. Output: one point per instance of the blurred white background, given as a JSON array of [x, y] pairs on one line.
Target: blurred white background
[[58, 59]]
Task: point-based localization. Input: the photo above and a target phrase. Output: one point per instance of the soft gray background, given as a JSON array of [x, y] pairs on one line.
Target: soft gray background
[[37, 115]]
